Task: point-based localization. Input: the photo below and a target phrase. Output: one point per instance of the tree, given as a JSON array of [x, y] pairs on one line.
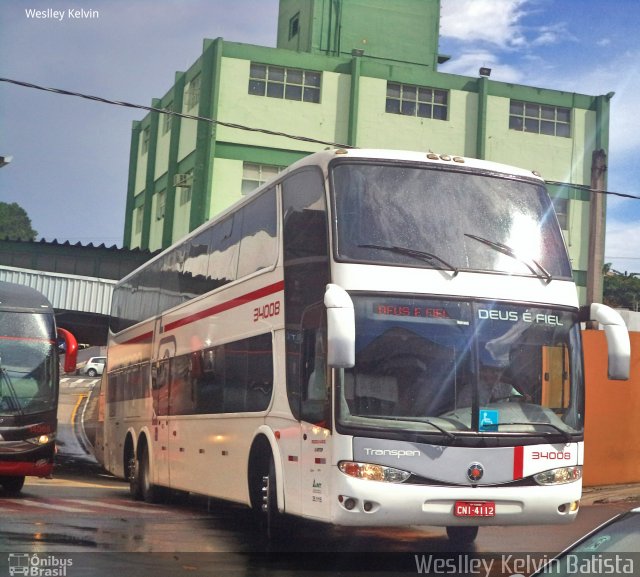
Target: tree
[[15, 224], [621, 290]]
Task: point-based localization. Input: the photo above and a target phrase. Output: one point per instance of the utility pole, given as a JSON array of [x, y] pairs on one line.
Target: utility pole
[[596, 227]]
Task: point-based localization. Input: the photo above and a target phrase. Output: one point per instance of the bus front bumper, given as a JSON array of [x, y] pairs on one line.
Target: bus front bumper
[[366, 503], [37, 462]]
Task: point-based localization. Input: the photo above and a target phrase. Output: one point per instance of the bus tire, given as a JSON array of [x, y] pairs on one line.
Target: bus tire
[[131, 472], [141, 483], [462, 535], [263, 488], [270, 505], [12, 485]]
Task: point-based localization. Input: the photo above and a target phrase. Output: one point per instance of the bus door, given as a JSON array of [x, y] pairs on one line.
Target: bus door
[[315, 416], [161, 381]]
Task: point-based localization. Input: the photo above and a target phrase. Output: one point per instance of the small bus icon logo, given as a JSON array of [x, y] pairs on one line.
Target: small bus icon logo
[[18, 564]]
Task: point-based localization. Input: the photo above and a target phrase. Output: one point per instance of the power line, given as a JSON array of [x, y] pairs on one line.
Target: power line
[[587, 188], [24, 84], [171, 112]]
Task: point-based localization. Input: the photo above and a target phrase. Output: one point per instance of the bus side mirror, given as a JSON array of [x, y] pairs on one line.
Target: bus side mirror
[[71, 350], [618, 344], [341, 328]]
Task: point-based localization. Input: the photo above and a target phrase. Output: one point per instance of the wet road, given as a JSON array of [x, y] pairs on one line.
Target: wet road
[[83, 523], [87, 517]]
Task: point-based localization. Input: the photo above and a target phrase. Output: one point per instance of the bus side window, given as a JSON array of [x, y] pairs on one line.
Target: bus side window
[[210, 389], [259, 246], [161, 388], [306, 274], [315, 398]]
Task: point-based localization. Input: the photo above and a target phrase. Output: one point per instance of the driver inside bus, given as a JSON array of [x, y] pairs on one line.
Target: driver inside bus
[[491, 387], [491, 384]]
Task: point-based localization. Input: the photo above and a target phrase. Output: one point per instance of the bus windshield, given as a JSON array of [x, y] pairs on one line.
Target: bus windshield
[[422, 216], [450, 367], [27, 363]]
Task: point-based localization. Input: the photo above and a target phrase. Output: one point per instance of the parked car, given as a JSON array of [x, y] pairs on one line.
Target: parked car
[[610, 548], [93, 367]]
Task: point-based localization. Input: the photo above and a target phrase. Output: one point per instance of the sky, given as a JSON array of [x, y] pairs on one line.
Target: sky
[[70, 156]]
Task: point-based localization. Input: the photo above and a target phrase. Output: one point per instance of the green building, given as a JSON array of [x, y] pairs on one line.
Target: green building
[[356, 72]]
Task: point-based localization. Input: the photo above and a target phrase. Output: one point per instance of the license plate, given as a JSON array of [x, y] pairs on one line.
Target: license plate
[[474, 509]]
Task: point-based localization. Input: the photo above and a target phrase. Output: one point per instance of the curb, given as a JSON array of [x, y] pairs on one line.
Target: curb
[[628, 493]]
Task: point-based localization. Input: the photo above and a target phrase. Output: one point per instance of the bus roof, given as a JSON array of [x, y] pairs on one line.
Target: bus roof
[[21, 297], [415, 156], [324, 157]]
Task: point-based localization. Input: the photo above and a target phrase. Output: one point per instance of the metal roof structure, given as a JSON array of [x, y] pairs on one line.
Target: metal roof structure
[[65, 292]]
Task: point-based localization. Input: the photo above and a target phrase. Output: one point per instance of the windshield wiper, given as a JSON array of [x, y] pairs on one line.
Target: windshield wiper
[[418, 254], [539, 271], [566, 435], [411, 420], [15, 400]]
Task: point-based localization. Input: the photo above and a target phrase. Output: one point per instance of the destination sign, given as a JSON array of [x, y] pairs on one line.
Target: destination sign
[[532, 317], [394, 310]]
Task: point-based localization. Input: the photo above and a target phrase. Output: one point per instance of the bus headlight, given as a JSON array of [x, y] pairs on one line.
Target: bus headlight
[[559, 476], [371, 472], [42, 439]]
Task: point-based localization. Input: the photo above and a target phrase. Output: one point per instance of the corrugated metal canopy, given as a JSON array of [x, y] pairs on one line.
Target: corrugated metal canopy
[[66, 292]]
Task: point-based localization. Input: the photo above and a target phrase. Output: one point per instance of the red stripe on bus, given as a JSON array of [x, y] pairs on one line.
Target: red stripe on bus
[[518, 462], [28, 339], [239, 301], [143, 338]]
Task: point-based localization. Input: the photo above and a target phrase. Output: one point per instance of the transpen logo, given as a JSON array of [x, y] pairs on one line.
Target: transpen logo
[[398, 453]]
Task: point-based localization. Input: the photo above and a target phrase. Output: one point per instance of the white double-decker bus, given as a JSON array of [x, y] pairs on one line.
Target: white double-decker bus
[[374, 338]]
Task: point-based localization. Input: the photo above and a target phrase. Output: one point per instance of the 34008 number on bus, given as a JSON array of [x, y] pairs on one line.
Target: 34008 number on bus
[[266, 311]]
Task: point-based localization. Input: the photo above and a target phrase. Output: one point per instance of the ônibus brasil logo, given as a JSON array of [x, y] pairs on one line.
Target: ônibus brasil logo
[[33, 565]]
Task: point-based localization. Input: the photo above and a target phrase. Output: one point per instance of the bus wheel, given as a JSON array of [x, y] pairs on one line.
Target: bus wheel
[[142, 478], [271, 515], [12, 485], [462, 535], [132, 475]]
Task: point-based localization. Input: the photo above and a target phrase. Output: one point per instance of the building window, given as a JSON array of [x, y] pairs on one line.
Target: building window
[[294, 26], [253, 175], [287, 83], [418, 101], [540, 118], [184, 182], [185, 196], [138, 220], [192, 95], [167, 120], [561, 206], [161, 200], [145, 140]]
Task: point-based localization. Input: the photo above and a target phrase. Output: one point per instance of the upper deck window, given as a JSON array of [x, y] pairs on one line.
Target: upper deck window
[[421, 216]]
